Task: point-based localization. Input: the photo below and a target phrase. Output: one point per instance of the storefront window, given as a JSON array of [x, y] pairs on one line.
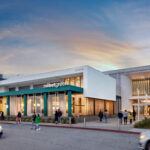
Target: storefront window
[[73, 105], [35, 104], [143, 85], [3, 105], [55, 103], [82, 81], [67, 81], [75, 81], [19, 103], [72, 81], [80, 105], [78, 81]]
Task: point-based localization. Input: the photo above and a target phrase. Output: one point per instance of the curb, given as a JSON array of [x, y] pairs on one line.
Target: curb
[[81, 128]]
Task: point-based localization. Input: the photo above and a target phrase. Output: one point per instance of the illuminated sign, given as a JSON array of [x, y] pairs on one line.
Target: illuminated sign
[[56, 85]]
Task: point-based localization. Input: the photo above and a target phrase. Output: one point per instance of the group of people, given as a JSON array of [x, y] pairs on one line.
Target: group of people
[[122, 116], [58, 115], [125, 115], [35, 121], [105, 115]]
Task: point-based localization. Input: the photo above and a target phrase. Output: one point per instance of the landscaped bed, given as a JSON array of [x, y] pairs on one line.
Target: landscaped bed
[[144, 124], [64, 120]]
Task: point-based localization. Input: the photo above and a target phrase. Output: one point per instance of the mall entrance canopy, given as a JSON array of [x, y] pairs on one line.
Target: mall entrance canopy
[[69, 89]]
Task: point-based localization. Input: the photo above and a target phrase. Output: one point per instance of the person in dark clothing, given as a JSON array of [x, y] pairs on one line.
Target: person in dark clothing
[[134, 115], [19, 116], [56, 117], [120, 116], [33, 120], [125, 115], [100, 115], [59, 115], [2, 115]]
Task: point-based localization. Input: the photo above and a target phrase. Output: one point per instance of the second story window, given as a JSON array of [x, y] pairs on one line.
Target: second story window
[[24, 87]]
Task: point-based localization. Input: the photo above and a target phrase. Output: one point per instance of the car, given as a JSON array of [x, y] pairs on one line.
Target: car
[[1, 131], [144, 140]]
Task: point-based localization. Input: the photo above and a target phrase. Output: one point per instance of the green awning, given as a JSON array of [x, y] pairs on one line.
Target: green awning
[[44, 90]]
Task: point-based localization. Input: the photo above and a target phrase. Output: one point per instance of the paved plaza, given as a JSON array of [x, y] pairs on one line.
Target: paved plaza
[[21, 137]]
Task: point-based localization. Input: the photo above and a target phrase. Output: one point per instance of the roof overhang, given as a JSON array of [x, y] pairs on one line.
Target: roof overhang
[[74, 89]]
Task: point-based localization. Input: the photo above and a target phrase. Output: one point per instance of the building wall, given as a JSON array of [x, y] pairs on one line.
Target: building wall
[[99, 105], [126, 92], [98, 85], [3, 89]]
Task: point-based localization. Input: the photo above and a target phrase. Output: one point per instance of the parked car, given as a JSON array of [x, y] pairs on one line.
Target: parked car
[[144, 140], [1, 131]]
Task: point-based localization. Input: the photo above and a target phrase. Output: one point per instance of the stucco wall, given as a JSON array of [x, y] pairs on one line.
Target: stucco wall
[[99, 85], [126, 92]]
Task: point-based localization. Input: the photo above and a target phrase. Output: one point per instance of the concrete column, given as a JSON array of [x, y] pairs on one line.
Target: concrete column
[[31, 87], [8, 105], [45, 104], [25, 105], [94, 106], [69, 103]]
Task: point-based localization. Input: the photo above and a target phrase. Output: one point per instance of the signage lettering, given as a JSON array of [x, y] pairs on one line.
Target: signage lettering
[[56, 85]]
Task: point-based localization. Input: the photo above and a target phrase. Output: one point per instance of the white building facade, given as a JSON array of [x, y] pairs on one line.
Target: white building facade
[[75, 91], [132, 84]]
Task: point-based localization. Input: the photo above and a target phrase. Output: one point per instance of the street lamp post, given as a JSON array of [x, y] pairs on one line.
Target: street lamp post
[[138, 91], [146, 102]]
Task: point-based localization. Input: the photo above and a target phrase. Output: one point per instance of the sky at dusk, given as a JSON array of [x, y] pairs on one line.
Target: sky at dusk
[[43, 35]]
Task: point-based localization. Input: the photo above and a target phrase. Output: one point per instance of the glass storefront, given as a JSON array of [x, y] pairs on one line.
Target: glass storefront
[[78, 105], [3, 104], [143, 85], [58, 100], [35, 104], [75, 81]]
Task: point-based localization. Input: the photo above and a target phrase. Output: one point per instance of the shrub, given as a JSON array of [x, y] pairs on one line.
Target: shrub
[[143, 124], [64, 120], [73, 120]]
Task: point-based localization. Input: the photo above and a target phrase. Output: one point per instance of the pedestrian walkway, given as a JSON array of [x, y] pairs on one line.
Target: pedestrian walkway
[[112, 125]]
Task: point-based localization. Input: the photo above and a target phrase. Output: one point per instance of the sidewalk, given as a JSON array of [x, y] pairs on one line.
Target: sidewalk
[[111, 126]]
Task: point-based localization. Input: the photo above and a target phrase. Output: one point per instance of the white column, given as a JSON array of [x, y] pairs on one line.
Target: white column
[[31, 86], [138, 104]]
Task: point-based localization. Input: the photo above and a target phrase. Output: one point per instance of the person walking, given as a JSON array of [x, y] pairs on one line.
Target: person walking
[[37, 121], [2, 115], [130, 117], [19, 117], [56, 117], [120, 116], [106, 115], [134, 115], [100, 116], [17, 120], [59, 115], [125, 115], [33, 121]]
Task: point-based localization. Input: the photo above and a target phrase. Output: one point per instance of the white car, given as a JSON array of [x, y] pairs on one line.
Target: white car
[[1, 131], [144, 140]]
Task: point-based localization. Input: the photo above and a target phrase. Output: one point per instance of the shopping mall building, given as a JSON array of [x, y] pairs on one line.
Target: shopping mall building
[[76, 91], [132, 85]]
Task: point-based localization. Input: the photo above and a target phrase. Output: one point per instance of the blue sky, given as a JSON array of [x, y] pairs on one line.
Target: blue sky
[[44, 35]]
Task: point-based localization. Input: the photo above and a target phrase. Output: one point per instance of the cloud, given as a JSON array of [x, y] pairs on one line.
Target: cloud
[[50, 50], [109, 38]]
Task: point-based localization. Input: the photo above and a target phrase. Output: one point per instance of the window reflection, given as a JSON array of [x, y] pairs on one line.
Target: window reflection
[[75, 81], [143, 85]]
